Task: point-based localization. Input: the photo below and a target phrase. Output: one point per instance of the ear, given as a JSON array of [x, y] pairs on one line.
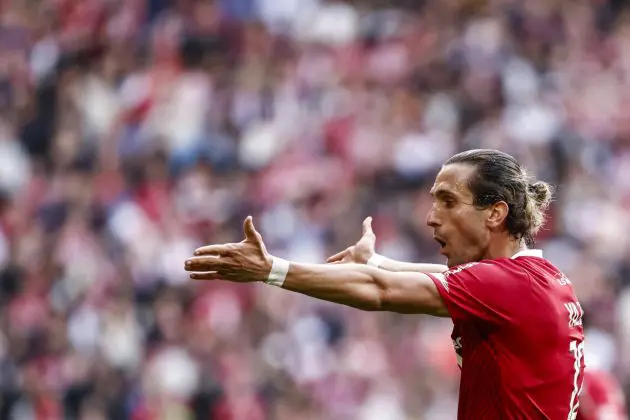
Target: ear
[[498, 212]]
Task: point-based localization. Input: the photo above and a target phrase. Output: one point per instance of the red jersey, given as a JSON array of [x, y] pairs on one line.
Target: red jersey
[[602, 397], [518, 337]]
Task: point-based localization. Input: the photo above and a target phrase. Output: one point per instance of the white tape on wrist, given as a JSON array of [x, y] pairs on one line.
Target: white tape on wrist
[[376, 260], [279, 270]]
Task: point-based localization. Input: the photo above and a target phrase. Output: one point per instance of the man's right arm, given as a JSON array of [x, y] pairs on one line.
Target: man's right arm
[[364, 251]]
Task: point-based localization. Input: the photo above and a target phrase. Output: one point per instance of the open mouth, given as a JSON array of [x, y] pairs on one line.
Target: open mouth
[[440, 241]]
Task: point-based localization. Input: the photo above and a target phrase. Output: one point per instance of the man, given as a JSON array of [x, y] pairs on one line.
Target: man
[[517, 323]]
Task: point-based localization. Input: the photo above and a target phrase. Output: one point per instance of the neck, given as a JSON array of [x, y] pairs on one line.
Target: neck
[[504, 248]]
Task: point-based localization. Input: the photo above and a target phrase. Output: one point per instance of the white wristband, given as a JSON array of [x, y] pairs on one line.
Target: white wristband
[[278, 273], [376, 260]]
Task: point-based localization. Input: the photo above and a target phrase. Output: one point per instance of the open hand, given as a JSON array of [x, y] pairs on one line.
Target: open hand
[[246, 261], [360, 252]]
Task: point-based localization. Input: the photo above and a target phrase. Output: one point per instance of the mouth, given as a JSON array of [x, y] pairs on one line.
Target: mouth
[[440, 241]]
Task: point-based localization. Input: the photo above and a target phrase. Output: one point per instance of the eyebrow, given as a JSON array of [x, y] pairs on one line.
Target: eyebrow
[[441, 192]]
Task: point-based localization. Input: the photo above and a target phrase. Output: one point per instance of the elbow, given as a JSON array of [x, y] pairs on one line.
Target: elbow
[[373, 307], [371, 303], [366, 306], [379, 300], [381, 296], [376, 295], [371, 300]]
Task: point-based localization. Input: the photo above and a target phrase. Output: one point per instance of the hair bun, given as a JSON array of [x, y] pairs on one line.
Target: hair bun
[[541, 192]]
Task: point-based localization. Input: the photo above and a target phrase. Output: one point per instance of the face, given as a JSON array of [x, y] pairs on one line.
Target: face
[[462, 230]]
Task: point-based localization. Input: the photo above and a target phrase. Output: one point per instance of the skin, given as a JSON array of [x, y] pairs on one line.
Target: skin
[[470, 234], [364, 249]]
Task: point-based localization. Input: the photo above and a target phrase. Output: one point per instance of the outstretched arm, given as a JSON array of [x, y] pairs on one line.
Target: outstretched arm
[[364, 251], [367, 288], [355, 285]]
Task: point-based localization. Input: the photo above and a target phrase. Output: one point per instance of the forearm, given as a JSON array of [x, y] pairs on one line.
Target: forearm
[[356, 285], [368, 288], [400, 266]]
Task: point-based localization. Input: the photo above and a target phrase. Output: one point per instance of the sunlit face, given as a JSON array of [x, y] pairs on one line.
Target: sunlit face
[[458, 226]]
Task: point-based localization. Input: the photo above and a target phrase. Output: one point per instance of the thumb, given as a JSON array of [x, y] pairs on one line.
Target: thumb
[[367, 226], [251, 235]]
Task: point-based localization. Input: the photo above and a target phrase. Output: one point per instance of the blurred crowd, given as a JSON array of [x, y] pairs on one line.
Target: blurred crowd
[[133, 131]]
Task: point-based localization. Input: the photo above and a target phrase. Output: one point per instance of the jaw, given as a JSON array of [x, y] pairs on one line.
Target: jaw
[[455, 259]]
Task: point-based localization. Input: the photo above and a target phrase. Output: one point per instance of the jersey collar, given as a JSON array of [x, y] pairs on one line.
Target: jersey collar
[[529, 253]]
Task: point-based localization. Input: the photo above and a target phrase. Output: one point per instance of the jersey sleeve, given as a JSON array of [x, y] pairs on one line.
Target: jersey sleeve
[[484, 291]]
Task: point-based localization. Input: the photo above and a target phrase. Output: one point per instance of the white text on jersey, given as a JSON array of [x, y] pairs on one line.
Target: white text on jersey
[[575, 314]]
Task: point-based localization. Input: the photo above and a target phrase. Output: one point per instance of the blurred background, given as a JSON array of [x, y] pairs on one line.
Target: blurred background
[[133, 131]]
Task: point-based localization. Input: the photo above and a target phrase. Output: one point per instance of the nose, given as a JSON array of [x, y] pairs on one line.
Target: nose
[[432, 219]]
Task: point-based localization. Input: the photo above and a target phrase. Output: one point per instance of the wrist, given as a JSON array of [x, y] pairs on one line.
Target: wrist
[[278, 272], [376, 260]]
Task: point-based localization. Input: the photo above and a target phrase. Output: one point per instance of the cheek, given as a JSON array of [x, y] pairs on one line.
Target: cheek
[[470, 227]]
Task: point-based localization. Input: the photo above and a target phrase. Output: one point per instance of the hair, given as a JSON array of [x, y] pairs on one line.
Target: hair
[[499, 177]]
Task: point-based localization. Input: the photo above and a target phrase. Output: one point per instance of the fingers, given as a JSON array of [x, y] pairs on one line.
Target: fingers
[[203, 263], [367, 226], [338, 256], [216, 250], [207, 275], [242, 262]]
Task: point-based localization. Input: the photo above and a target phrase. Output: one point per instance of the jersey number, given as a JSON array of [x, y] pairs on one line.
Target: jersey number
[[578, 353]]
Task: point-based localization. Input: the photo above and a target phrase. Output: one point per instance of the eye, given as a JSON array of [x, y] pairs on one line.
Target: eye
[[449, 203]]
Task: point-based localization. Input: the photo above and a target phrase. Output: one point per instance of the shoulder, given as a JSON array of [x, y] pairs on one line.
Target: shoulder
[[489, 290], [498, 276], [491, 269]]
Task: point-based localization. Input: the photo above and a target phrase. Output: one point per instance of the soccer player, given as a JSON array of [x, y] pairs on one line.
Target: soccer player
[[517, 322]]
